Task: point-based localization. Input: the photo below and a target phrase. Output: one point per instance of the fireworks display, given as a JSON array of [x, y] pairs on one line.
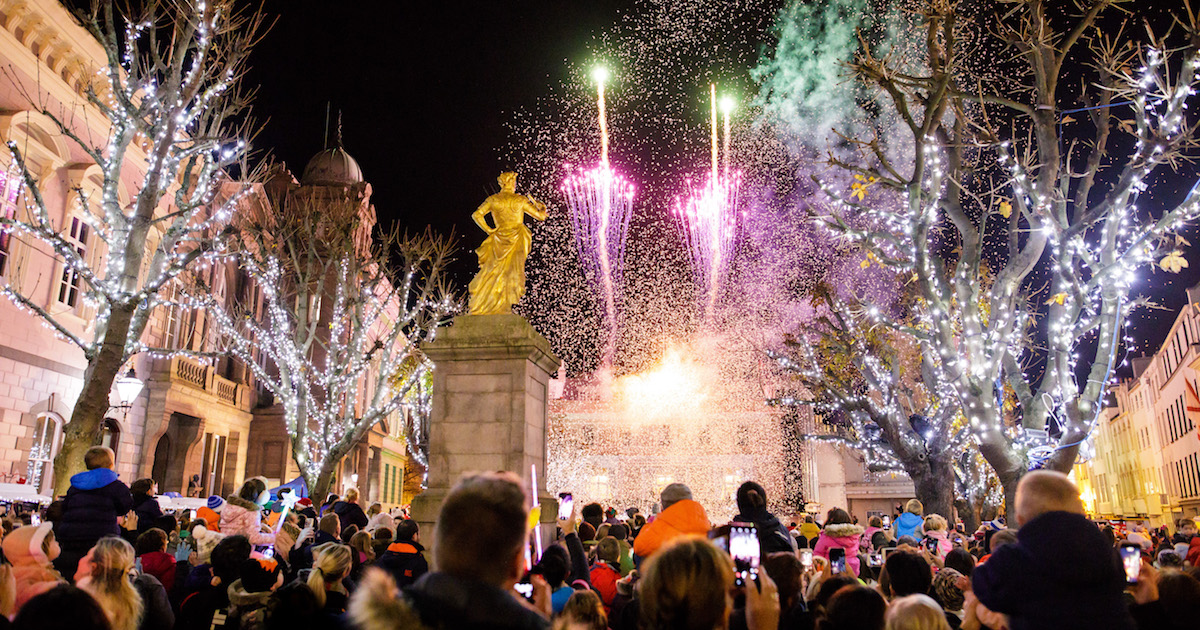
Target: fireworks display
[[601, 203]]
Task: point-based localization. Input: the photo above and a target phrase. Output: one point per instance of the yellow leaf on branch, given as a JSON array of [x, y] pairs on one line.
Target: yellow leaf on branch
[[1005, 209], [1173, 262], [1058, 298]]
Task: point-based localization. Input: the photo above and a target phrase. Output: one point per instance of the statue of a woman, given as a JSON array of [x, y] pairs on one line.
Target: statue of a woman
[[500, 282]]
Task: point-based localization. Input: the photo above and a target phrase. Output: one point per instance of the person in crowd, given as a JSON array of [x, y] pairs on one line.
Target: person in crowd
[[94, 503], [639, 521], [583, 611], [787, 573], [854, 607], [304, 507], [242, 515], [329, 501], [935, 527], [1185, 532], [31, 551], [622, 600], [349, 512], [752, 508], [347, 534], [960, 560], [606, 571], [910, 522], [907, 573], [810, 531], [145, 505], [285, 541], [152, 554], [680, 516], [329, 530], [555, 567], [378, 520], [1060, 573], [867, 543], [593, 514], [158, 613], [404, 559], [293, 605], [199, 608], [1006, 537], [204, 540], [331, 566], [104, 574], [946, 589], [63, 607], [362, 554], [916, 612], [687, 584], [620, 531], [249, 594], [377, 604], [481, 533], [841, 532], [211, 513]]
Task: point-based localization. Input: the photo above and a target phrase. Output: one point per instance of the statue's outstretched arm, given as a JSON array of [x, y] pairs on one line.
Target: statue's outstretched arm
[[479, 218], [536, 209]]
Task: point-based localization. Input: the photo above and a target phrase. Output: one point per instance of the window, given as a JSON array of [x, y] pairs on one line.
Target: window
[[47, 436], [10, 189], [70, 285]]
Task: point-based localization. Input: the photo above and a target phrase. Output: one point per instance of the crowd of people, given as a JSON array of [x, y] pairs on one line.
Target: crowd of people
[[107, 557]]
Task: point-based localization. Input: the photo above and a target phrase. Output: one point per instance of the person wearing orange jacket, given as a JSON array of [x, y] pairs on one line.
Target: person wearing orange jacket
[[211, 513], [680, 516]]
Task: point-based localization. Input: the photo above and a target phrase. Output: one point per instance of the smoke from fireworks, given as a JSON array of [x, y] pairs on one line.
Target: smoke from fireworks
[[601, 203]]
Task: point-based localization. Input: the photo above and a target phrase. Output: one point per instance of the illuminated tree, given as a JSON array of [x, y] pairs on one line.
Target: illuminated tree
[[336, 337], [1017, 218], [174, 114]]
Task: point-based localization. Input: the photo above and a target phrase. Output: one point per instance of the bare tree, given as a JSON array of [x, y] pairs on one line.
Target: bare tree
[[337, 335], [1017, 219], [170, 95]]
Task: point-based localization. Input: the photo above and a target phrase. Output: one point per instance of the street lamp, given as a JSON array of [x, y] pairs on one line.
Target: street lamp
[[128, 388]]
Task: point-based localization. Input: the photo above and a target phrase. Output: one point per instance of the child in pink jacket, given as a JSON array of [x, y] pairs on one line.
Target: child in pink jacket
[[30, 549]]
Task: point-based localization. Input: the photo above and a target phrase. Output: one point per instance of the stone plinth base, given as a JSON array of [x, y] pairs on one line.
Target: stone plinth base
[[490, 386]]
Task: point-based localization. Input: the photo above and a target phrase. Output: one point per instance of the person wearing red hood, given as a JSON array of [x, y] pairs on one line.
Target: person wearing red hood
[[1193, 554], [151, 550], [680, 516], [30, 550]]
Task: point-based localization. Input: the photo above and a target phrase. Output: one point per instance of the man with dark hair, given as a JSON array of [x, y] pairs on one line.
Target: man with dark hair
[[482, 531], [405, 558], [1061, 573], [593, 514], [752, 508], [907, 574]]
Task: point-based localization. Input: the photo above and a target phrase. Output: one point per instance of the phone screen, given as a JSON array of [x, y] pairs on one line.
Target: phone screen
[[806, 558], [875, 559], [837, 560], [565, 504], [1131, 558], [35, 519], [932, 545], [269, 552], [526, 590], [743, 547], [887, 521]]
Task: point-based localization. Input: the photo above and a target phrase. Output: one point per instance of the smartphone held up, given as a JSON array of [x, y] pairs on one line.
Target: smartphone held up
[[745, 551], [837, 560], [1131, 559], [566, 503]]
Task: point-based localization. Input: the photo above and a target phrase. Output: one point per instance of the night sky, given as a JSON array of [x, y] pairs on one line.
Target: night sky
[[425, 93]]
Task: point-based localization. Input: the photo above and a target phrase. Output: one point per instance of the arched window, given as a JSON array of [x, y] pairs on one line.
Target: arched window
[[47, 437], [110, 434]]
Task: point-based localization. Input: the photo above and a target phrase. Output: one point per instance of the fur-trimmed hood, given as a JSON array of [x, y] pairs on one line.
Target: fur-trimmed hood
[[233, 499], [842, 530]]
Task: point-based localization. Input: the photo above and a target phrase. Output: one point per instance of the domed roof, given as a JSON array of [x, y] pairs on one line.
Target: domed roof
[[333, 166]]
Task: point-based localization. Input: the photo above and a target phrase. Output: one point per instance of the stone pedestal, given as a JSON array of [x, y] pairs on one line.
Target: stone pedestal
[[490, 404]]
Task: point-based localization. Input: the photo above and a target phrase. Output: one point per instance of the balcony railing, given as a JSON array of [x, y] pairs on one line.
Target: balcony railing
[[188, 372]]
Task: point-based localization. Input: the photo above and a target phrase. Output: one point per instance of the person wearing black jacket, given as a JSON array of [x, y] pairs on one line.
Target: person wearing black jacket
[[752, 508], [404, 558], [144, 504], [94, 502], [349, 512]]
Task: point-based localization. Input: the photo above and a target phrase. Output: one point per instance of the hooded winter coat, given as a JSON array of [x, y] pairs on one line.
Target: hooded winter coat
[[247, 611], [909, 524], [772, 535], [90, 510], [682, 518], [1060, 574], [944, 544], [161, 565], [604, 578], [211, 517], [31, 567], [350, 514], [404, 561], [148, 511], [844, 535], [241, 517], [865, 542]]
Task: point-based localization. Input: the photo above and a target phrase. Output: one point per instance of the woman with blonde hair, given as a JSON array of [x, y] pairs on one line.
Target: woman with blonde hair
[[362, 553], [332, 563], [106, 573], [916, 612], [686, 586], [936, 527]]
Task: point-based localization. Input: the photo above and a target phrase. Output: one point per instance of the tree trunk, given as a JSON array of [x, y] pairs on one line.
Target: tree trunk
[[933, 478], [320, 486], [968, 512], [81, 430], [1008, 467]]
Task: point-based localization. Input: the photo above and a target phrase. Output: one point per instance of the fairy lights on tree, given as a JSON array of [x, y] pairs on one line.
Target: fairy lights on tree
[[169, 95], [1017, 218], [337, 334]]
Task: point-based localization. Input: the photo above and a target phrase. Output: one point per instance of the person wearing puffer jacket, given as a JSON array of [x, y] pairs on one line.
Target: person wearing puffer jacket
[[680, 516], [30, 550], [840, 531], [936, 528], [910, 522], [242, 514]]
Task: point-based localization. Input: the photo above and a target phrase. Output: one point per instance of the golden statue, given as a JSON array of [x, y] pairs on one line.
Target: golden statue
[[500, 282]]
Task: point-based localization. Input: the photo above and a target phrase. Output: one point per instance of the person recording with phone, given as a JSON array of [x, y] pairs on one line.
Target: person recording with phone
[[841, 533]]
